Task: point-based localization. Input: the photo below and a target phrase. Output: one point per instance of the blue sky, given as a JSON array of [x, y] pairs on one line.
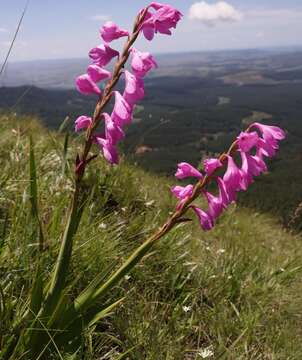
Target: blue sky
[[69, 28]]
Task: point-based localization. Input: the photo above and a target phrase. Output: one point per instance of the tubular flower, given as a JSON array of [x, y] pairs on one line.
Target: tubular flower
[[110, 31], [102, 54], [134, 89], [267, 148], [270, 132], [182, 193], [113, 132], [247, 140], [232, 178], [97, 73], [142, 63], [186, 170], [211, 165], [86, 85], [109, 150], [162, 20], [206, 221], [82, 122], [215, 205], [223, 194], [122, 111], [251, 166]]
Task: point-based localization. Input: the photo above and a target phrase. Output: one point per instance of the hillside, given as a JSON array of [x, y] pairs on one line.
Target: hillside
[[195, 104], [232, 293]]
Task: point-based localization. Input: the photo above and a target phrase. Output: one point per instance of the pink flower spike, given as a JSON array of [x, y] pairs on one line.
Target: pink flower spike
[[134, 90], [232, 179], [82, 122], [211, 165], [142, 63], [110, 31], [270, 132], [205, 219], [109, 151], [113, 132], [122, 111], [102, 54], [247, 140], [186, 170], [97, 73], [86, 86]]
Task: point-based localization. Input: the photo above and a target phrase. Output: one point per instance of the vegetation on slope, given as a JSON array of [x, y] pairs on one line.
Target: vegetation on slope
[[234, 292]]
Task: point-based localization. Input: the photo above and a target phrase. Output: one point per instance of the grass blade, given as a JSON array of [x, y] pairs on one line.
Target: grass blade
[[34, 192]]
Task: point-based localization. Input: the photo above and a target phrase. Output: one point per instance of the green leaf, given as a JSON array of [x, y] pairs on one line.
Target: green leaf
[[37, 292], [64, 124], [34, 192], [105, 312], [65, 150], [33, 178]]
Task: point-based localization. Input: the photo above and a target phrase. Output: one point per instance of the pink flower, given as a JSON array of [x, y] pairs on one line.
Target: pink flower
[[122, 111], [186, 170], [270, 132], [142, 63], [247, 140], [97, 73], [109, 151], [134, 90], [182, 193], [211, 165], [267, 148], [232, 179], [110, 31], [205, 219], [102, 54], [215, 205], [113, 132], [82, 122], [86, 85], [253, 165], [162, 20], [223, 194]]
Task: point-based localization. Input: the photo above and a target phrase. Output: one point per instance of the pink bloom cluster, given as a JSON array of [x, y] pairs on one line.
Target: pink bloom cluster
[[253, 147], [160, 19]]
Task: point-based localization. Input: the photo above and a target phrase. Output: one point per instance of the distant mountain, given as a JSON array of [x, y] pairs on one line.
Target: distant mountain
[[60, 74]]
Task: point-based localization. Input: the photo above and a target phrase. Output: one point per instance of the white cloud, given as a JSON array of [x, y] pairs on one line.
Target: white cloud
[[100, 17], [210, 14], [3, 30]]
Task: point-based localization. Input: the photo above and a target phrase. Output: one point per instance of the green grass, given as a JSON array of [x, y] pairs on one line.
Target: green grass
[[235, 290]]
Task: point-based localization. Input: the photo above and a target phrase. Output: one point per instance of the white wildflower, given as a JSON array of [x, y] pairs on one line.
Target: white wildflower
[[102, 226], [206, 353]]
